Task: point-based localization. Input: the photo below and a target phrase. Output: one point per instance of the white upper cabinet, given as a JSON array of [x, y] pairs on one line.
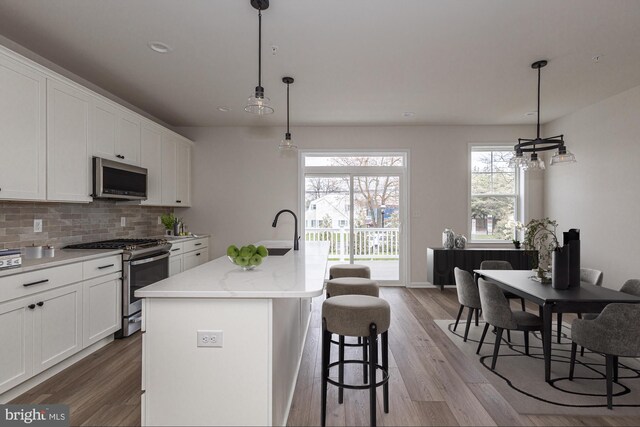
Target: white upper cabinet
[[183, 174], [151, 159], [176, 171], [22, 131], [67, 143], [128, 138], [169, 146], [104, 125], [115, 133]]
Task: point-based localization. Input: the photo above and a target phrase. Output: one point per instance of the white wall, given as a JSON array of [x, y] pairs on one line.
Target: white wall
[[599, 194], [240, 179]]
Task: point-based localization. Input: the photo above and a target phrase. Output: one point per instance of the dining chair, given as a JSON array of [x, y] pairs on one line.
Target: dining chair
[[501, 265], [468, 296], [593, 277], [613, 333], [497, 312]]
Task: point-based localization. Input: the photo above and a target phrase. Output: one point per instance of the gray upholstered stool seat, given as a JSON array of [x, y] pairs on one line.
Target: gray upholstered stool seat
[[351, 315], [349, 270], [356, 316], [352, 286]]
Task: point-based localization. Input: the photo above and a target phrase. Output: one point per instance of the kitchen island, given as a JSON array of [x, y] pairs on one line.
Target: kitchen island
[[222, 346]]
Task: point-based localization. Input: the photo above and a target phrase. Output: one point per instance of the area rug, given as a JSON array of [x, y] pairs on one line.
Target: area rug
[[520, 378]]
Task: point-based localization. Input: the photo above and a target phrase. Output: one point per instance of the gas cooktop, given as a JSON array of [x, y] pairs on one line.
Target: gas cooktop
[[126, 244]]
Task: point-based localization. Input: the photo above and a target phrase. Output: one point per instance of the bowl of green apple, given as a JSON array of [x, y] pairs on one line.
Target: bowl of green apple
[[247, 257]]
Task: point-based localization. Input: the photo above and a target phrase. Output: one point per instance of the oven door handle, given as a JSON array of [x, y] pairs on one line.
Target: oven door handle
[[146, 260]]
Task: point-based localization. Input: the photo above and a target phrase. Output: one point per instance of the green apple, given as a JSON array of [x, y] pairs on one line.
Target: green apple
[[246, 252], [253, 249], [233, 251], [255, 260], [242, 261], [262, 251]]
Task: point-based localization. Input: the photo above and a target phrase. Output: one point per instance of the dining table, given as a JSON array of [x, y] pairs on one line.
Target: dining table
[[586, 298]]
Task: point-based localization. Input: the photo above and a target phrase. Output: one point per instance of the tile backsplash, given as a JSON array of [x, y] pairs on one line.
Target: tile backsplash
[[66, 223]]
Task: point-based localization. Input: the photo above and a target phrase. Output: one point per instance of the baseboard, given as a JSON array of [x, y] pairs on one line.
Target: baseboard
[[9, 395], [426, 285]]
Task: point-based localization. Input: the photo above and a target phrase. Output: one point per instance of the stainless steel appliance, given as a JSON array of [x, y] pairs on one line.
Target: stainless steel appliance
[[144, 261], [115, 180]]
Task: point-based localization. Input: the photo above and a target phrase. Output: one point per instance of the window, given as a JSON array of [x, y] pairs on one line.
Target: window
[[494, 197]]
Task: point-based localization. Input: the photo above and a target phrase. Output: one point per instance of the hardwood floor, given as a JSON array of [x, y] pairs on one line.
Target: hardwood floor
[[431, 381]]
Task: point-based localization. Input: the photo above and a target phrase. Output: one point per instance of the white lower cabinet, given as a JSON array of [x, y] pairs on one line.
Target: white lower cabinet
[[188, 254], [102, 308], [16, 336], [41, 329], [175, 265], [195, 258], [57, 326]]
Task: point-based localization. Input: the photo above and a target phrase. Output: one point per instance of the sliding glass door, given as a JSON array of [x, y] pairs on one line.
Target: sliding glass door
[[356, 202]]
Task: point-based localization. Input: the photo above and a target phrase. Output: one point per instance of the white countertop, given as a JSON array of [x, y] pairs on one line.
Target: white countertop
[[297, 274], [63, 256]]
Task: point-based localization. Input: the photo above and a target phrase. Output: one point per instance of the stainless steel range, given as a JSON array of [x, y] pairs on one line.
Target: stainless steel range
[[144, 261]]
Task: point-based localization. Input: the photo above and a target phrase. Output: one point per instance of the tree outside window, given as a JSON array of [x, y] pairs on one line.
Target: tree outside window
[[494, 194]]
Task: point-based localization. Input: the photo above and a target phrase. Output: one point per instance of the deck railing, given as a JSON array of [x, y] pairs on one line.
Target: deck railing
[[370, 243]]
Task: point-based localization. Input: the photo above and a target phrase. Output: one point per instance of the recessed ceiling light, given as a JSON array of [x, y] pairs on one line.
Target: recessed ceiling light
[[224, 109], [597, 58], [408, 114], [159, 47]]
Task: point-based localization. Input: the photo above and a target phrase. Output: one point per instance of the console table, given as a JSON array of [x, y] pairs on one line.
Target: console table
[[441, 262]]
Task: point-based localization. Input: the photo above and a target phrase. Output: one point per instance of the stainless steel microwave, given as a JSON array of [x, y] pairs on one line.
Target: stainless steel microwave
[[115, 180]]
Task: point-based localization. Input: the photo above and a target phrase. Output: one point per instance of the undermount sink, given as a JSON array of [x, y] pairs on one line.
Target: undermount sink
[[278, 251]]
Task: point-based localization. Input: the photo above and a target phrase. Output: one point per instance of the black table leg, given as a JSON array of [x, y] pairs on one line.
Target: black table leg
[[547, 312]]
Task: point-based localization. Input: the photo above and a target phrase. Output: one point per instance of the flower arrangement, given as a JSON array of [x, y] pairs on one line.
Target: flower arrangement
[[540, 234]]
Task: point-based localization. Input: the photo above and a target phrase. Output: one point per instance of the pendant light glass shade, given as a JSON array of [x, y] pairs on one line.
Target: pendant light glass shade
[[563, 156], [287, 145], [258, 103], [534, 163]]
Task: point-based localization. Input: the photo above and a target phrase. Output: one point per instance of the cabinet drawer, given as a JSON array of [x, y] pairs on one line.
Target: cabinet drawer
[[101, 266], [25, 284], [195, 258], [192, 245], [176, 249]]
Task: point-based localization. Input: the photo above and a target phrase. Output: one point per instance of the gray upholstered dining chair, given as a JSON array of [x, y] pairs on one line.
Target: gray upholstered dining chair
[[501, 265], [468, 296], [593, 277], [497, 312], [614, 333]]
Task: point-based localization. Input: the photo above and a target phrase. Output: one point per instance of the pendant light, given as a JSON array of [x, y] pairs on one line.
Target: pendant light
[[258, 103], [533, 146], [286, 143]]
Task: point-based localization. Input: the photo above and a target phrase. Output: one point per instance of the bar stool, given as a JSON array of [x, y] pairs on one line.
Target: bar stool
[[349, 270], [351, 286], [357, 316]]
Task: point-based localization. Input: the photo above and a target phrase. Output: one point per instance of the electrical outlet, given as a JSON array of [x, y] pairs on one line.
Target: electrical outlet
[[123, 221], [210, 338], [37, 226]]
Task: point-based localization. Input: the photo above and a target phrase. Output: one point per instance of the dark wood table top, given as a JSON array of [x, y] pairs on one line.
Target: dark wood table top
[[520, 283]]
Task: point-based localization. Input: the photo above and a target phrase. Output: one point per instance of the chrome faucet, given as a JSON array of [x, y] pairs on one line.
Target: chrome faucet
[[295, 232]]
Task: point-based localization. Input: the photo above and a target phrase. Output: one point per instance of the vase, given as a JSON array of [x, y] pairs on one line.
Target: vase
[[448, 239], [560, 268], [460, 241]]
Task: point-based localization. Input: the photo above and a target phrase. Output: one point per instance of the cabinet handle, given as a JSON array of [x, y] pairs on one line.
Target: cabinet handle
[[197, 244], [198, 254], [120, 156], [176, 249], [105, 266], [40, 304], [31, 306], [36, 283], [178, 201]]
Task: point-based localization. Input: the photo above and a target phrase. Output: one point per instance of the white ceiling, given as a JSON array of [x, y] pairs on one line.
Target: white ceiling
[[355, 62]]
